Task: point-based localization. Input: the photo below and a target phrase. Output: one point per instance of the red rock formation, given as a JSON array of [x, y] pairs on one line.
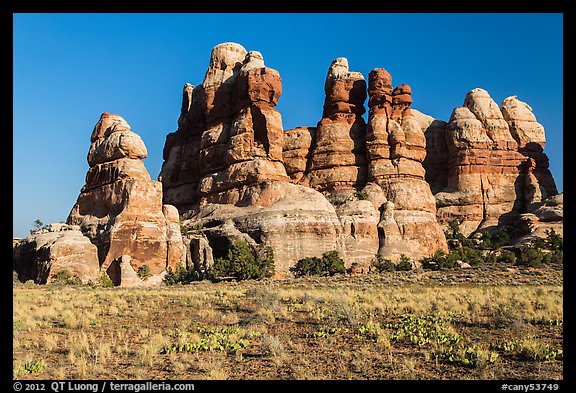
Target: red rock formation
[[229, 141], [120, 208], [495, 168], [297, 151], [243, 191], [338, 156], [396, 148]]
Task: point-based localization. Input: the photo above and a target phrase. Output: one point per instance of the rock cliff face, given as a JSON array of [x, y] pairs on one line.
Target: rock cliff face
[[495, 169], [396, 147], [243, 191], [307, 190], [120, 208], [336, 163], [231, 172]]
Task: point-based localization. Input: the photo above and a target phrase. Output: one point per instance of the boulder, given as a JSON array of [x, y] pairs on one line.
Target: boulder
[[41, 256]]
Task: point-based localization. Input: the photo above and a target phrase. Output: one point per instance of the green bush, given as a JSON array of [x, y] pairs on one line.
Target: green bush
[[183, 275], [243, 263], [553, 241], [454, 233], [495, 239], [336, 201], [33, 367], [491, 257], [439, 260], [104, 281], [361, 195], [554, 257], [467, 254], [473, 356], [64, 277], [144, 272], [404, 264], [330, 264], [383, 265], [506, 256], [531, 257], [36, 226]]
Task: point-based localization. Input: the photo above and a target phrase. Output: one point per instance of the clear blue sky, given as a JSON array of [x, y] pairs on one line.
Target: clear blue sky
[[69, 68]]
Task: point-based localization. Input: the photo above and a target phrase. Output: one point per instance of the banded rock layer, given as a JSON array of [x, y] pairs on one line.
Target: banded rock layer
[[120, 208], [231, 167], [224, 166], [486, 165]]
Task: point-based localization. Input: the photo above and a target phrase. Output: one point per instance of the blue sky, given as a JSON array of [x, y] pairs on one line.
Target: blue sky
[[69, 68]]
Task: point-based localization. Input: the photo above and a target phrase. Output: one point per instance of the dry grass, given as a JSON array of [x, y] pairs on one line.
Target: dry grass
[[294, 329]]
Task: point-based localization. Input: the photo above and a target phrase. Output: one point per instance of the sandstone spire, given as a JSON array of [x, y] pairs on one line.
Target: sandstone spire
[[120, 208], [338, 158], [396, 148]]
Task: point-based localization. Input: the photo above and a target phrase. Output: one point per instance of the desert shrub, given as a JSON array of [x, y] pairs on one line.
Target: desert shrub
[[528, 348], [553, 241], [337, 201], [467, 254], [473, 356], [310, 266], [531, 257], [104, 281], [432, 262], [243, 263], [404, 264], [33, 367], [542, 251], [64, 277], [386, 265], [439, 260], [554, 257], [491, 258], [361, 195], [383, 265], [194, 229], [36, 226], [495, 239], [454, 233], [506, 256], [330, 264], [144, 272], [183, 275], [432, 329], [211, 339], [534, 350]]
